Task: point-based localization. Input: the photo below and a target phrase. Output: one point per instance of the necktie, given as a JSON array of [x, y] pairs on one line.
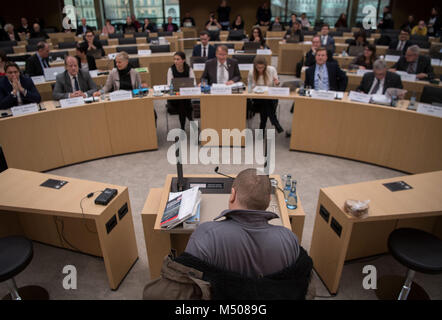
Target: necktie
[[77, 87], [400, 46], [204, 51], [221, 75], [45, 64], [321, 77], [376, 87], [411, 68]]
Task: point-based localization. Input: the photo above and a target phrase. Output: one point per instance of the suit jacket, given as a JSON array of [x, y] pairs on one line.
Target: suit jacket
[[197, 51], [40, 34], [33, 66], [336, 77], [309, 58], [392, 80], [80, 29], [113, 80], [7, 100], [90, 61], [330, 42], [175, 27], [211, 71], [394, 44], [423, 65], [63, 85]]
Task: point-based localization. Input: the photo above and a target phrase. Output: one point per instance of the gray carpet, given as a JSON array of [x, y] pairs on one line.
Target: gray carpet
[[145, 170]]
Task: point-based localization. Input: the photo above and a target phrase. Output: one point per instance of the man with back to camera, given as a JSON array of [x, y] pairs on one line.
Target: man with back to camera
[[204, 49], [73, 82], [414, 63], [325, 75], [221, 69], [39, 61], [378, 81]]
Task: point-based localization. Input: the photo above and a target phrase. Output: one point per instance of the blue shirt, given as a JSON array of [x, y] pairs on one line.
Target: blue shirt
[[321, 77]]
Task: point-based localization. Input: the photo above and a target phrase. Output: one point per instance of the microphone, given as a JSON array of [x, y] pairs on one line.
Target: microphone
[[222, 174], [179, 166]]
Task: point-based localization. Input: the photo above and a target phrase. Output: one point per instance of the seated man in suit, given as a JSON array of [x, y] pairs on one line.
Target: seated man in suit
[[310, 55], [170, 26], [402, 43], [221, 69], [37, 32], [378, 81], [83, 28], [204, 49], [73, 82], [39, 61], [327, 41], [414, 63], [325, 75], [15, 89]]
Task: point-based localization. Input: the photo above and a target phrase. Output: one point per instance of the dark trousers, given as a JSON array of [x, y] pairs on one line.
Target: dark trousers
[[266, 109], [183, 108]]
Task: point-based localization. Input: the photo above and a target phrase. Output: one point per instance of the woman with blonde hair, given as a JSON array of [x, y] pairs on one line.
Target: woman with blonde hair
[[264, 75]]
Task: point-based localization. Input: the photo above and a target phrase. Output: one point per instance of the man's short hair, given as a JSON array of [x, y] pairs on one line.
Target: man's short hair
[[222, 47], [66, 58], [414, 49], [321, 49], [41, 45], [325, 25], [252, 190], [11, 64], [379, 65], [204, 33]]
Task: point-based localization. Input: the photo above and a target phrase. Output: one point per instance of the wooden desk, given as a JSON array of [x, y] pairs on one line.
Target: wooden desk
[[55, 217], [420, 207], [189, 33], [160, 242], [289, 55], [272, 40], [391, 137]]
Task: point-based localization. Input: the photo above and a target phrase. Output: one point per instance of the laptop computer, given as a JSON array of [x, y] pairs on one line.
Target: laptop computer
[[51, 73], [179, 83], [251, 47]]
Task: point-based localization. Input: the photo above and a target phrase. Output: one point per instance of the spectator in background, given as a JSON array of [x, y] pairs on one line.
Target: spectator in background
[[37, 32], [257, 36], [276, 25], [188, 21], [310, 55], [366, 59], [295, 32], [25, 28], [414, 63], [327, 41], [293, 18], [403, 42], [213, 24], [410, 24], [149, 26], [95, 49], [238, 24], [135, 22], [434, 24], [204, 49], [264, 14], [108, 28], [420, 29], [11, 33], [170, 26], [387, 19], [224, 15], [83, 28], [39, 61], [129, 27], [360, 39], [342, 21], [304, 21], [85, 62], [3, 60]]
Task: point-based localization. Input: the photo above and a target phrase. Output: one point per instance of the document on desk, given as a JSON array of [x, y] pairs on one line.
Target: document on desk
[[325, 95], [380, 99], [245, 66], [199, 66], [406, 76], [391, 58], [38, 79], [93, 73], [71, 102], [279, 91], [359, 97], [180, 207], [230, 51], [264, 52], [120, 95], [24, 109], [429, 109]]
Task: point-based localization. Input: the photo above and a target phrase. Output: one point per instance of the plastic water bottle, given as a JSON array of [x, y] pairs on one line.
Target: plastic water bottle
[[203, 85], [249, 83], [413, 99], [288, 186], [171, 89], [292, 200], [302, 89]]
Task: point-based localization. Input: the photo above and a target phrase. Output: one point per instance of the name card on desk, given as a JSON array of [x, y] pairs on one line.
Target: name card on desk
[[406, 76], [361, 72], [191, 91], [435, 62], [199, 66], [277, 91], [359, 97], [391, 58], [144, 52], [38, 79], [120, 95], [230, 51], [245, 66], [24, 109], [326, 95], [112, 56], [265, 52], [93, 73], [71, 102], [429, 109], [221, 89]]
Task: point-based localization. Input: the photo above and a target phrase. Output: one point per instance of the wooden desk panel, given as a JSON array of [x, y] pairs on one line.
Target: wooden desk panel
[[289, 55]]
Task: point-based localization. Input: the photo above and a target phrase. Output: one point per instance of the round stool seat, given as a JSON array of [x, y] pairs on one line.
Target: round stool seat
[[417, 250], [15, 255]]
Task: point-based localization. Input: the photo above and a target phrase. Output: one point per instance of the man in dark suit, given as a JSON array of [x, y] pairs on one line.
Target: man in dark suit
[[325, 75], [378, 81], [73, 82], [414, 63], [402, 43], [83, 28], [16, 89], [37, 32], [170, 26], [204, 49], [39, 61], [221, 69], [310, 55], [327, 41]]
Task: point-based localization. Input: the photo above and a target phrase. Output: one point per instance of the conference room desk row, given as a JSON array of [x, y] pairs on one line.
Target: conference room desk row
[[392, 137], [70, 52], [412, 87]]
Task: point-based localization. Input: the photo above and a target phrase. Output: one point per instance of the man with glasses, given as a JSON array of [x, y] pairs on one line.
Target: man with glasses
[[222, 69], [378, 81], [415, 63]]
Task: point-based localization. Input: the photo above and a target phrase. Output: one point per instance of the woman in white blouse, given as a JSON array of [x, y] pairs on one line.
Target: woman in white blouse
[[264, 75], [180, 69]]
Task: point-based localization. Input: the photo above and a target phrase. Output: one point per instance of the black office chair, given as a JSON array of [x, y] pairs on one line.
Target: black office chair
[[36, 40], [393, 52], [15, 255], [244, 59], [104, 42], [342, 29], [421, 44], [214, 35], [22, 57], [67, 45], [134, 62], [3, 164], [228, 45], [236, 35], [335, 33], [431, 95], [347, 41], [417, 250], [116, 35], [8, 43], [7, 50], [129, 50], [141, 35], [418, 37], [196, 59], [31, 47], [127, 41], [160, 48], [310, 33], [50, 29]]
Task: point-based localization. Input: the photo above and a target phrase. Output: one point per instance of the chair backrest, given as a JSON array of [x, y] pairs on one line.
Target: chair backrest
[[228, 45], [310, 33], [393, 52], [3, 164], [335, 33], [134, 62], [104, 42], [293, 85], [7, 50], [22, 57], [355, 50], [60, 54], [251, 46], [129, 50], [116, 35], [277, 28], [431, 95], [214, 35], [342, 29], [160, 48], [165, 34], [50, 30], [127, 40], [244, 58], [418, 37], [436, 55], [421, 44], [196, 59], [31, 47], [36, 40], [67, 45], [141, 35], [8, 43], [236, 35]]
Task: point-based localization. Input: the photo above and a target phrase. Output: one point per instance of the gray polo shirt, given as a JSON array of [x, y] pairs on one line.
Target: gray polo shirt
[[245, 243]]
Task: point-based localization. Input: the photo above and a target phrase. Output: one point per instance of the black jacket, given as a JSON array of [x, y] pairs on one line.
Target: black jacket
[[394, 43], [90, 62], [33, 66], [392, 80], [174, 25], [423, 66], [80, 29], [197, 51], [309, 58], [210, 71], [40, 34], [152, 27], [7, 100], [336, 77]]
